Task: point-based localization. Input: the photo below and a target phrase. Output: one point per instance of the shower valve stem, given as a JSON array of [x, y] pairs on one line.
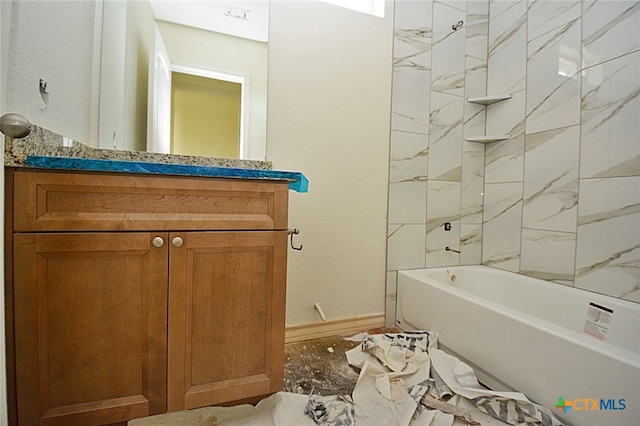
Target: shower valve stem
[[447, 248]]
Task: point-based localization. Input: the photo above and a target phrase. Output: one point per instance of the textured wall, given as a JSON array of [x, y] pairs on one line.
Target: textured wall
[[329, 109], [54, 41]]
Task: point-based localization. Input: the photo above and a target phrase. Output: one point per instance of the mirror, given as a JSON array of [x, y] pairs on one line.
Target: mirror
[[81, 69]]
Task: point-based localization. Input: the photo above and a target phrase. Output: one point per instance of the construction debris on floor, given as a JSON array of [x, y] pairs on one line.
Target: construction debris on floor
[[404, 379]]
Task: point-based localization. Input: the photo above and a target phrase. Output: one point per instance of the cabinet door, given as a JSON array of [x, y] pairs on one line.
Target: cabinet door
[[90, 327], [226, 316]]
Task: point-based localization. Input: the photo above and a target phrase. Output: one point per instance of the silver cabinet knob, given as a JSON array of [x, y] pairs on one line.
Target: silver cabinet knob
[[157, 242], [177, 242]]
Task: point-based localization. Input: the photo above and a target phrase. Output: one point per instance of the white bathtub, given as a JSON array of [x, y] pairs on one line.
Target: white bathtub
[[529, 335]]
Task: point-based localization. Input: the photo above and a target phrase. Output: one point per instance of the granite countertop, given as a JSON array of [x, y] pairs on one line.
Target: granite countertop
[[45, 149]]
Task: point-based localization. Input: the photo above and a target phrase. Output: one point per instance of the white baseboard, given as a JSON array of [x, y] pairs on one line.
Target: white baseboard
[[297, 333]]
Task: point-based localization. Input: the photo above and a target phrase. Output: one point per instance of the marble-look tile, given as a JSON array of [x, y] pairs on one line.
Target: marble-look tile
[[443, 207], [498, 7], [475, 85], [609, 29], [445, 15], [408, 177], [409, 157], [472, 197], [408, 201], [502, 224], [504, 160], [412, 35], [448, 62], [471, 244], [406, 246], [507, 48], [391, 298], [410, 101], [412, 66], [553, 80], [475, 78], [551, 179], [608, 253], [445, 137], [544, 15], [461, 5], [610, 124], [548, 255], [477, 29]]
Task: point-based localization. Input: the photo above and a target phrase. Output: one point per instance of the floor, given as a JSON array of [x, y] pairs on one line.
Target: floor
[[317, 365], [320, 365]]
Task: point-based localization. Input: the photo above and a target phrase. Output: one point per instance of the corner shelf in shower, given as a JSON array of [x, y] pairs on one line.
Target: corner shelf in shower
[[487, 139], [488, 100]]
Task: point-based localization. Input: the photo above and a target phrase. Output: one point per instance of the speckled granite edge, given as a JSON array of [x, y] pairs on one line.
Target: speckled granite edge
[[297, 181], [45, 143]]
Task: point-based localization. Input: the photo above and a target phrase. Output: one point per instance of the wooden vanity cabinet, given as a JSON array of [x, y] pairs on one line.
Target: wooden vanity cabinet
[[135, 295]]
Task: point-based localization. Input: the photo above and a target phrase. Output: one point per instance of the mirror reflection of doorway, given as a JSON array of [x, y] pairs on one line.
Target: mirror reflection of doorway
[[205, 116]]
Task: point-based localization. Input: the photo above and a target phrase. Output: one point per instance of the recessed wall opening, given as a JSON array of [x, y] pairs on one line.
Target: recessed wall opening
[[206, 116]]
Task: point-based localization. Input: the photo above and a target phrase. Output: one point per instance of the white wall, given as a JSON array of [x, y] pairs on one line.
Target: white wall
[[329, 117], [53, 41]]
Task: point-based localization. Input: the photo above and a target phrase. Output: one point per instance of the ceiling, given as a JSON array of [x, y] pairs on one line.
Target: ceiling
[[240, 18]]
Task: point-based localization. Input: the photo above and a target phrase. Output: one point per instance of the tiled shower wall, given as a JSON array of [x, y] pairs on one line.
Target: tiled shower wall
[[560, 199]]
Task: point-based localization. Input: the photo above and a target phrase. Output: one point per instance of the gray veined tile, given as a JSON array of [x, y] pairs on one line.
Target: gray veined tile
[[507, 49], [444, 206], [448, 67], [412, 35], [499, 7], [470, 244], [504, 161], [502, 225], [412, 49], [477, 29], [608, 250], [448, 59], [475, 77], [609, 29], [610, 125], [409, 156], [406, 246], [548, 255], [551, 180], [408, 201], [445, 137], [410, 100], [444, 17], [544, 15], [553, 83], [472, 197]]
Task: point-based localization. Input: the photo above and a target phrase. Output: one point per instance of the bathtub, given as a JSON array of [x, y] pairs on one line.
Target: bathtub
[[543, 339]]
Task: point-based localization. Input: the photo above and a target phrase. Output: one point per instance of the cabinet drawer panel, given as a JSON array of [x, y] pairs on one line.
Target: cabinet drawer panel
[[66, 201]]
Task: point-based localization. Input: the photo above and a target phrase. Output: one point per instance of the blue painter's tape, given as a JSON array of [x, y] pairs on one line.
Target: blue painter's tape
[[297, 181]]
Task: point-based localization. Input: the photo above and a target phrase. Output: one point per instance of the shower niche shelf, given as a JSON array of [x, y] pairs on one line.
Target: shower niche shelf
[[488, 100], [487, 139]]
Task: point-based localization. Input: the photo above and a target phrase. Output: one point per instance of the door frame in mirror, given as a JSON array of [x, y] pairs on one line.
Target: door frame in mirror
[[241, 79]]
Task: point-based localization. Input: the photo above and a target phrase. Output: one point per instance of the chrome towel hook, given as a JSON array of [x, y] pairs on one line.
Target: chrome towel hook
[[292, 232]]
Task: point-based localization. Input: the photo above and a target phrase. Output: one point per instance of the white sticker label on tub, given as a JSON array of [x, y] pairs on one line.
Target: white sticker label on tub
[[597, 322]]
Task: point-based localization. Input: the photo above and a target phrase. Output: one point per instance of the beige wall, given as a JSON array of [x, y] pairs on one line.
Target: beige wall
[[205, 116], [329, 117], [217, 52]]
